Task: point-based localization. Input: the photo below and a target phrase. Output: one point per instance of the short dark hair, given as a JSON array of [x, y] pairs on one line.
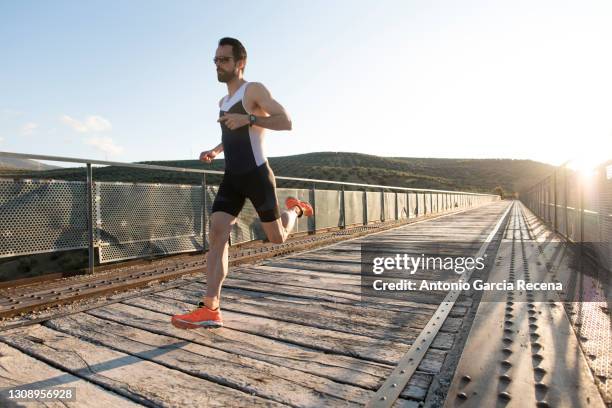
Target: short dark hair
[[238, 50]]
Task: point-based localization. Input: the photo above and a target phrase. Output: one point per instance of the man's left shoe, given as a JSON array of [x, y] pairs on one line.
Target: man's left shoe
[[306, 208], [200, 317]]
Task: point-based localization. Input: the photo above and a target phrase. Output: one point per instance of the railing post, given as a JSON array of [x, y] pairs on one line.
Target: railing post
[[204, 215], [90, 217], [314, 207], [365, 206], [408, 209], [343, 206], [581, 213], [396, 207], [566, 204], [555, 226], [382, 204]]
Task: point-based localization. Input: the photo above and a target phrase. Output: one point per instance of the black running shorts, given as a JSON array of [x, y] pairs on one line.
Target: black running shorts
[[257, 185]]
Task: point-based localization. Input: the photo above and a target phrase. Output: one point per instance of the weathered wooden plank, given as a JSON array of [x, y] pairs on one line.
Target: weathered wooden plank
[[357, 320], [330, 341], [385, 246], [139, 380], [345, 268], [375, 323], [443, 341], [18, 370], [342, 271], [303, 279], [312, 271], [339, 368], [325, 295], [249, 375]]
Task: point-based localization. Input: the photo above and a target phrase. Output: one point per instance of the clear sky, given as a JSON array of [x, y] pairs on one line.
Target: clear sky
[[134, 80]]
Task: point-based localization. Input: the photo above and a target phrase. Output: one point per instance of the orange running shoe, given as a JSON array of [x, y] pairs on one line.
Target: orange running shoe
[[200, 317], [306, 208]]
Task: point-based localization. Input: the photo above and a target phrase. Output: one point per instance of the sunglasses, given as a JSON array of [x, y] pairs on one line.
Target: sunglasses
[[222, 60]]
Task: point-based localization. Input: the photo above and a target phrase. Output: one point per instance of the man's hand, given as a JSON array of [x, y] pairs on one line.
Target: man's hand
[[208, 156], [234, 120]]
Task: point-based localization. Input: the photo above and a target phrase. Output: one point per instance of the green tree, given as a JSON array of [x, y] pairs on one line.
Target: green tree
[[499, 190]]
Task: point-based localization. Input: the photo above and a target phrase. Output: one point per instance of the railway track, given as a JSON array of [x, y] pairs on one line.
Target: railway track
[[42, 293]]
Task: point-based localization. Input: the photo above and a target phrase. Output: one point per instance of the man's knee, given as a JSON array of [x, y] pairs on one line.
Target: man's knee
[[219, 233]]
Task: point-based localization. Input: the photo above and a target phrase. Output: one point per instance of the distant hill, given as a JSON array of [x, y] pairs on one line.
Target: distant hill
[[23, 164], [476, 175]]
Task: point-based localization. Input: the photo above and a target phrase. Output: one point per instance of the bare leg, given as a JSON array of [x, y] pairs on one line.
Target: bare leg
[[217, 258], [278, 230]]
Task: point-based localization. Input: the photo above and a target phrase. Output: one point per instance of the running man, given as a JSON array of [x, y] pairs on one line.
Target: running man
[[245, 113]]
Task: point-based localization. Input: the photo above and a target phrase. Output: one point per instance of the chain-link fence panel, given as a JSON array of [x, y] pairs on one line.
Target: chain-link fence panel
[[590, 213], [420, 204], [389, 206], [605, 214], [354, 205], [402, 205], [328, 212], [374, 200], [412, 205], [578, 206], [427, 201], [39, 216], [138, 220]]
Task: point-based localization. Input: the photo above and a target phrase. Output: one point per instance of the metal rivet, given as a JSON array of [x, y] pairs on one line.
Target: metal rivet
[[462, 395], [505, 378], [467, 378], [506, 363], [505, 396], [541, 386]]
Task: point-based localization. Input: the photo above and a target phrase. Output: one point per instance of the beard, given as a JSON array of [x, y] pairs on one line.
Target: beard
[[225, 76]]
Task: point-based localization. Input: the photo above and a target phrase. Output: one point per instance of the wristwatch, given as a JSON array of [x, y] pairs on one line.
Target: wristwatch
[[252, 120]]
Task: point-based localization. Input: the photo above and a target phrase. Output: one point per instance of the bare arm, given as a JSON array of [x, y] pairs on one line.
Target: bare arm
[[218, 149], [276, 119]]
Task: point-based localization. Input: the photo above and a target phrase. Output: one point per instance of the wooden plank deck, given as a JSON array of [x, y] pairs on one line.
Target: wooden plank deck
[[297, 333]]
